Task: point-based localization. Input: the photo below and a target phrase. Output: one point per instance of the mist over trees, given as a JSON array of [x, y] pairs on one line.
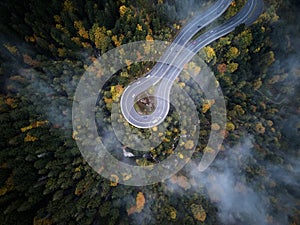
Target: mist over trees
[[45, 47]]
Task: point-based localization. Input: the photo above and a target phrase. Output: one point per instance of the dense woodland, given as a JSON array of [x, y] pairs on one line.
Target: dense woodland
[[46, 47]]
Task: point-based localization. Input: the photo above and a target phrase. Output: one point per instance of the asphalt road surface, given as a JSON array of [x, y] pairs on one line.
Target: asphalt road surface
[[180, 52]]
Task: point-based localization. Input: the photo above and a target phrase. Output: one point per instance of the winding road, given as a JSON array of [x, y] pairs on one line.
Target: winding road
[[180, 52]]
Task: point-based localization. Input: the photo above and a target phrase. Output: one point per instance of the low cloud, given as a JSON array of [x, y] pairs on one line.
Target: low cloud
[[268, 197]]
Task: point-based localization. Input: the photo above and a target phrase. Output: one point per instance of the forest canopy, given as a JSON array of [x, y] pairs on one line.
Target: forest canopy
[[45, 47]]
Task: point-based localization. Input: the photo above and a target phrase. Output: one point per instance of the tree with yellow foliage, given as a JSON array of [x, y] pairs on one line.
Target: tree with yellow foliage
[[81, 29], [198, 212], [209, 54], [139, 205], [232, 53], [123, 10], [99, 36], [232, 67]]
